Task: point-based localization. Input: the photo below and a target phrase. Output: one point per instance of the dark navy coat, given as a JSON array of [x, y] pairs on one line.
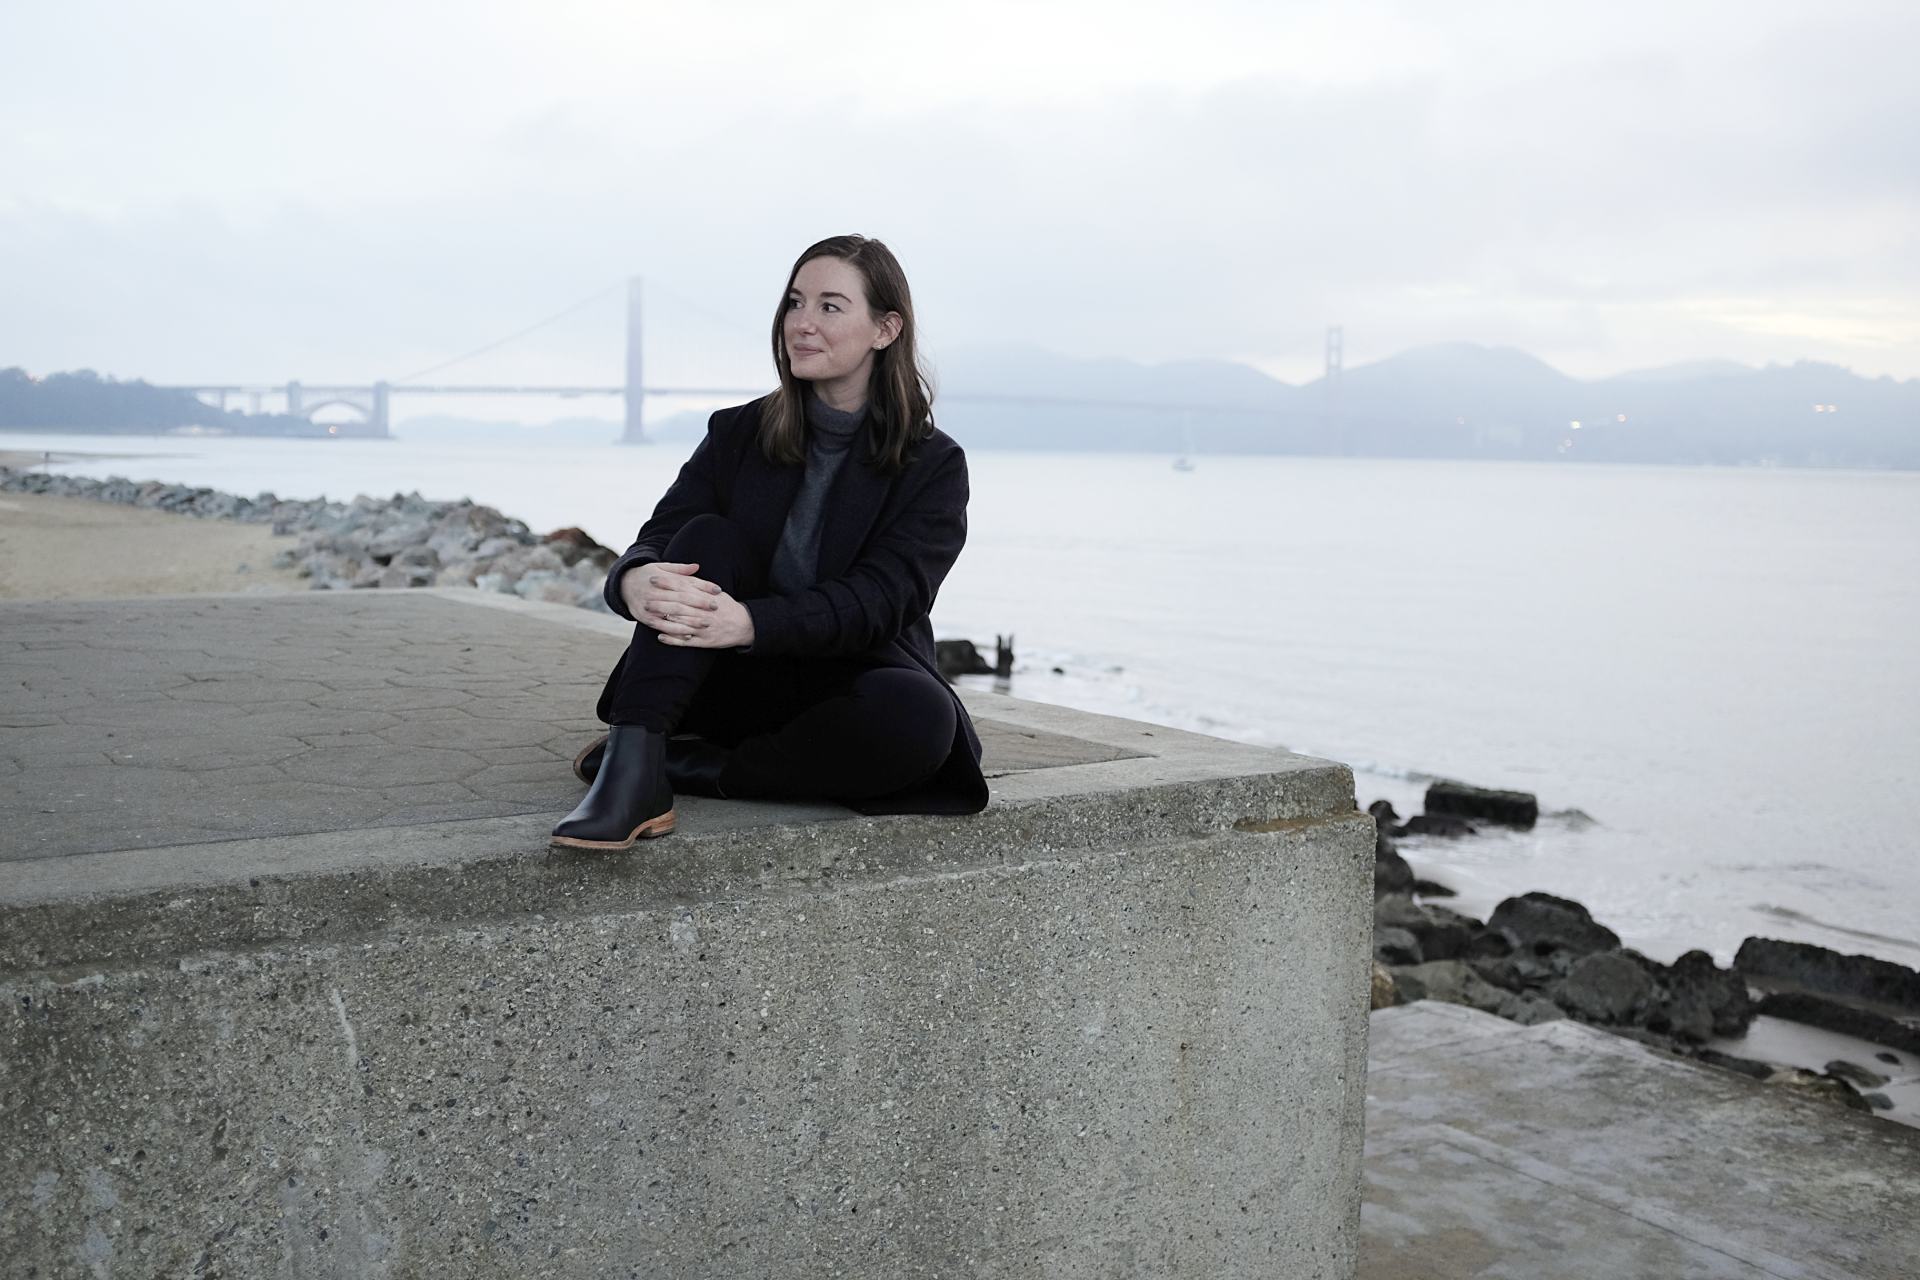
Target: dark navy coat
[[886, 544]]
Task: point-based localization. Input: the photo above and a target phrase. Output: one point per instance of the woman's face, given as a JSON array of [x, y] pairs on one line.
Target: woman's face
[[830, 333]]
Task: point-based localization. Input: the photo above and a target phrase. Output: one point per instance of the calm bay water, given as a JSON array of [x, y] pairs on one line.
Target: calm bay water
[[1708, 676]]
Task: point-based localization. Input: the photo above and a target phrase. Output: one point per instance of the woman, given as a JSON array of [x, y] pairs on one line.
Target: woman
[[783, 583]]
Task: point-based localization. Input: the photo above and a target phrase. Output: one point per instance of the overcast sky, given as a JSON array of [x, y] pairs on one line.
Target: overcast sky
[[346, 191]]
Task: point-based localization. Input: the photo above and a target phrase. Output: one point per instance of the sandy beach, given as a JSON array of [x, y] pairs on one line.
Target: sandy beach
[[68, 549]]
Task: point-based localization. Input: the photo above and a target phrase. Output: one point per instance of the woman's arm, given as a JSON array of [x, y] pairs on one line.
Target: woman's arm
[[692, 493], [891, 585]]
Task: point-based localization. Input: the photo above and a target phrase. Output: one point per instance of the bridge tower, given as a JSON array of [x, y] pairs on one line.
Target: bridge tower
[[1336, 358], [634, 433]]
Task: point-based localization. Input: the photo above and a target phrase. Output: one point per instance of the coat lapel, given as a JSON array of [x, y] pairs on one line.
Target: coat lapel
[[762, 495]]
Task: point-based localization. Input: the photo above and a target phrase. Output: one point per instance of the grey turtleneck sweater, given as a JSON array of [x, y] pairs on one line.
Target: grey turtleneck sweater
[[830, 442]]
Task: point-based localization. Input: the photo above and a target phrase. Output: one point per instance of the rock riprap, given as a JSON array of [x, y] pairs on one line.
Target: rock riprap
[[397, 542]]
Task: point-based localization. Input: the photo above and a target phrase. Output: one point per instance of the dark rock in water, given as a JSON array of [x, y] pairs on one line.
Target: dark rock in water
[[1448, 980], [1396, 947], [1854, 1073], [960, 658], [1605, 987], [1391, 874], [1751, 1067], [1818, 969], [1509, 808], [1878, 1101], [1433, 889], [1383, 814], [1833, 1015], [1541, 923], [1894, 1058], [1443, 934], [1003, 657], [1695, 981], [1432, 824]]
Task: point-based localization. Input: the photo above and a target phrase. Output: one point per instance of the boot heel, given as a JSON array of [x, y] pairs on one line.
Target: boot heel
[[654, 827]]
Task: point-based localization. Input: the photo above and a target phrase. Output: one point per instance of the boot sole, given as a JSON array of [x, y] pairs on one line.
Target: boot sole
[[651, 829], [579, 761]]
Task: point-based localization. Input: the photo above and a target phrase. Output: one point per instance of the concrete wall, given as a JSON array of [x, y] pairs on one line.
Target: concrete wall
[[1110, 1055]]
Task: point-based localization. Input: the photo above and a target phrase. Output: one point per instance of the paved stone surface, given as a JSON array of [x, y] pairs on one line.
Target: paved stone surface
[[1561, 1150], [146, 723]]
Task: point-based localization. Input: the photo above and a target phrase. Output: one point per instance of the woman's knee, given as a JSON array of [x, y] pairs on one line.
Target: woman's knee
[[719, 546], [918, 712], [709, 534]]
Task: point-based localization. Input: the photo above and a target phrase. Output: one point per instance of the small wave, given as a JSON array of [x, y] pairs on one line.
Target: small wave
[[1801, 917]]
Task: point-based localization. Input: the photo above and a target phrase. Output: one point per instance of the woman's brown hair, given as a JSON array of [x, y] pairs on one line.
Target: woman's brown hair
[[899, 394]]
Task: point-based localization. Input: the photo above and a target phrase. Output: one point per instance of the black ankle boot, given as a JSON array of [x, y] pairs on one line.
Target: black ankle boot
[[693, 765], [630, 799]]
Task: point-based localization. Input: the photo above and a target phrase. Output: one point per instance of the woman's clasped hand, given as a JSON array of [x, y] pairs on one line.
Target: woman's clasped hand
[[687, 611]]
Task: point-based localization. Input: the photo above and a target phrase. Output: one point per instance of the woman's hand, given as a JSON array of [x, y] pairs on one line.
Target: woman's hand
[[687, 611]]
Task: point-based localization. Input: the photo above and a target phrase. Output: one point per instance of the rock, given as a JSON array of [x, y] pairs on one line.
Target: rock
[[574, 546], [1723, 992], [1833, 1015], [1530, 1010], [1751, 1067], [1490, 943], [960, 658], [1509, 808], [1383, 995], [1396, 947], [1540, 922], [1432, 889], [1815, 1085], [1830, 972], [1391, 874], [417, 557], [1383, 815], [1853, 1073], [1431, 824], [495, 546], [1878, 1101], [548, 586], [1501, 971], [1606, 987], [1448, 980], [1894, 1058], [1443, 934]]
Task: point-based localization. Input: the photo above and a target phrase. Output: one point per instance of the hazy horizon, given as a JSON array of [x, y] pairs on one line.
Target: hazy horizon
[[217, 193]]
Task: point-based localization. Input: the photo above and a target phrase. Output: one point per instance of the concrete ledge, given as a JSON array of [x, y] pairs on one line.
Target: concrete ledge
[[1114, 1025]]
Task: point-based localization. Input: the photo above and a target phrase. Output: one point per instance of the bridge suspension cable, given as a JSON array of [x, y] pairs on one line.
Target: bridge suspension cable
[[581, 305]]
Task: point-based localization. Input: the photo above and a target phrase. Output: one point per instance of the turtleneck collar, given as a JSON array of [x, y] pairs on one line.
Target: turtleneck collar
[[831, 422]]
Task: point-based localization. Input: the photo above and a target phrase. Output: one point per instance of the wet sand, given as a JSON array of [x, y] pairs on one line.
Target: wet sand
[[74, 549]]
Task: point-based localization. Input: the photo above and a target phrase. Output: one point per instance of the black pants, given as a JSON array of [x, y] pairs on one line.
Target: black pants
[[820, 728]]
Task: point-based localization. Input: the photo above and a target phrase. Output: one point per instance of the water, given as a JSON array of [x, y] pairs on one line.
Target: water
[[1708, 676]]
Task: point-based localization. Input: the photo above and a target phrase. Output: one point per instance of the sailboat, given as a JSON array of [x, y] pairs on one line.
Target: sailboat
[[1185, 461]]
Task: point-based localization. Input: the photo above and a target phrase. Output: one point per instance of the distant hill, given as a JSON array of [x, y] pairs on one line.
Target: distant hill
[[83, 401], [1455, 400]]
